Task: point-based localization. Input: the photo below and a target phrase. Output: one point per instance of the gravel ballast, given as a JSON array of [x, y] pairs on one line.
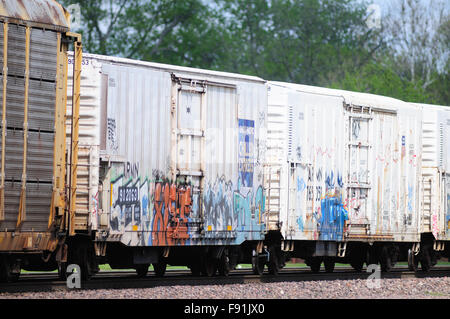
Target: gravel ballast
[[411, 288]]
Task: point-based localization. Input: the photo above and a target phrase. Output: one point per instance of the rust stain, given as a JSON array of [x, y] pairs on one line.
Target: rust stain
[[45, 12]]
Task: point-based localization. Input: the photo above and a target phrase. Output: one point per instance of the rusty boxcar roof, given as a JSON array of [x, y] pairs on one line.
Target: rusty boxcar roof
[[47, 14]]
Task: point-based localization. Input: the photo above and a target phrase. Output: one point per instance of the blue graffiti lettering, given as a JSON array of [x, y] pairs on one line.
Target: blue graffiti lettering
[[301, 185], [334, 215]]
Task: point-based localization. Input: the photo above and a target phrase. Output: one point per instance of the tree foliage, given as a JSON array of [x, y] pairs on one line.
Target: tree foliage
[[317, 42]]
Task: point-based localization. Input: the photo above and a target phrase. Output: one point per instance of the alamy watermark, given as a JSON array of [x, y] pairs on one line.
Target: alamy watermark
[[75, 16], [374, 280], [74, 279], [373, 20]]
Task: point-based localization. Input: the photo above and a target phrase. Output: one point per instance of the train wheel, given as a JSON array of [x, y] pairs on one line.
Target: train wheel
[[160, 269], [386, 260], [62, 270], [357, 265], [358, 256], [9, 272], [209, 268], [142, 270], [195, 269], [329, 264], [84, 258], [258, 264], [274, 261], [224, 264], [413, 261], [315, 263], [425, 259]]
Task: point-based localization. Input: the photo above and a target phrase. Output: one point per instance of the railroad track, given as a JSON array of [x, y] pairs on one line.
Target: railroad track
[[37, 282]]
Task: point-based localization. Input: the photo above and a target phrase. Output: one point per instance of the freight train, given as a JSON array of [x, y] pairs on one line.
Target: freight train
[[114, 161]]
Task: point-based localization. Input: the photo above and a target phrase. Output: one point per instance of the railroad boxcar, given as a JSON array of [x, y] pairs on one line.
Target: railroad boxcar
[[170, 166], [343, 179], [435, 184], [34, 37]]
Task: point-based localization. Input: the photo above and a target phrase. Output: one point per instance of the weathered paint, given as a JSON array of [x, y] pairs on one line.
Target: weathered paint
[[88, 142], [38, 13], [359, 152], [158, 121], [435, 179], [33, 103]]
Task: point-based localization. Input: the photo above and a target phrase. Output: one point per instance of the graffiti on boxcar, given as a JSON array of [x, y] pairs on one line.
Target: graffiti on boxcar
[[332, 219], [171, 211], [131, 170], [447, 217], [95, 216], [298, 152], [410, 198], [434, 225], [249, 209], [246, 151], [144, 196], [240, 210], [125, 204], [261, 149], [326, 210], [301, 187], [217, 200], [329, 181], [162, 210], [112, 135]]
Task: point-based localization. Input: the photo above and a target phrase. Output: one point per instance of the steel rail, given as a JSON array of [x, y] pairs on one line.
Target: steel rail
[[39, 282]]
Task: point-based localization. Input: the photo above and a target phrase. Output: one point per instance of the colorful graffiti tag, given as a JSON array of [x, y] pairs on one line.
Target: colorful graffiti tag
[[171, 210], [326, 212], [246, 151], [447, 219], [163, 212], [217, 200], [332, 220], [228, 210], [249, 209]]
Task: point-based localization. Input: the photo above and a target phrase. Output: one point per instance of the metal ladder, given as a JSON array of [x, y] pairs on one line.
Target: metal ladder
[[356, 115], [272, 190]]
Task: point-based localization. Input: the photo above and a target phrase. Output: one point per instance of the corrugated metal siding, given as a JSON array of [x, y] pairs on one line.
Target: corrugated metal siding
[[89, 141], [347, 152], [41, 127], [138, 144], [278, 138], [42, 52], [39, 156], [16, 50], [38, 200], [41, 105], [396, 173], [138, 117], [12, 200], [42, 55], [311, 158], [221, 135], [436, 171]]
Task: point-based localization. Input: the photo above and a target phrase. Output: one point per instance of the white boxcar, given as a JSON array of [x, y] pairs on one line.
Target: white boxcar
[[436, 171], [344, 166], [170, 155]]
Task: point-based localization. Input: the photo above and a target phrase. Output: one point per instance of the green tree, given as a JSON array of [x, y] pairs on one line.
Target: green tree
[[177, 32], [381, 79], [418, 35], [316, 42], [303, 41]]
